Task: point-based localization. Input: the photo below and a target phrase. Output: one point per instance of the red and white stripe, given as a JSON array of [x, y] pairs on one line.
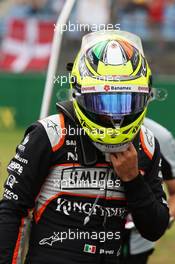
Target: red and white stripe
[[27, 45]]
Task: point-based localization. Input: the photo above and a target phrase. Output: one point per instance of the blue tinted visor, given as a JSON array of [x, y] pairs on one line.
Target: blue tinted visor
[[113, 104]]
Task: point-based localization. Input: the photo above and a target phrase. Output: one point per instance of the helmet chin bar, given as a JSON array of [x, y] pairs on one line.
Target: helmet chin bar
[[111, 148]]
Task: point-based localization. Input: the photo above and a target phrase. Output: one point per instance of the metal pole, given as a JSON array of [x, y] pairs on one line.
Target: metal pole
[[54, 58]]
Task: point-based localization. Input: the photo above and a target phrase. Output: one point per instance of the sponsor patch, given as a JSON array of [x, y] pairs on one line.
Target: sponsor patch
[[21, 147], [10, 195], [11, 181], [68, 207], [16, 167], [19, 158], [54, 128], [147, 141], [90, 249], [88, 89], [115, 88]]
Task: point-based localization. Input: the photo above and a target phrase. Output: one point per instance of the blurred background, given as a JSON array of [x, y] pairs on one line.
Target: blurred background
[[26, 32]]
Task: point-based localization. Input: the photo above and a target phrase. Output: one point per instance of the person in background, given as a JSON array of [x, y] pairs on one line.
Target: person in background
[[155, 22], [167, 148], [132, 16], [100, 12], [169, 21]]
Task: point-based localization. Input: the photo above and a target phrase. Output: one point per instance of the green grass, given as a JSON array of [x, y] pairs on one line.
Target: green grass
[[165, 247], [8, 141]]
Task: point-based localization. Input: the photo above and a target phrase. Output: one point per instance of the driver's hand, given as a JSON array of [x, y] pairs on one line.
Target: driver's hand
[[125, 163]]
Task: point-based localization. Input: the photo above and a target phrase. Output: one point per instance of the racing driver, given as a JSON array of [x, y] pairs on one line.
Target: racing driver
[[83, 169]]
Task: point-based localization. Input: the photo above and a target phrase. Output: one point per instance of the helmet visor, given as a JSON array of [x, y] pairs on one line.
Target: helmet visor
[[91, 39], [113, 104]]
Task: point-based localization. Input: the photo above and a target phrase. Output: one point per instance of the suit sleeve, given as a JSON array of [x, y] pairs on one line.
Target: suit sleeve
[[167, 170], [27, 171], [147, 201]]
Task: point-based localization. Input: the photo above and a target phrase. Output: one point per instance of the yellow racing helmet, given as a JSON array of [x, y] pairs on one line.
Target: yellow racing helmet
[[111, 87]]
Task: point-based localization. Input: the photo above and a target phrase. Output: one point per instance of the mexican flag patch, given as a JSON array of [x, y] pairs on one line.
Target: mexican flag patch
[[89, 249]]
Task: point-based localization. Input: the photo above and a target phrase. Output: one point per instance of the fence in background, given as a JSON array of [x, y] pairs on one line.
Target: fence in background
[[21, 97]]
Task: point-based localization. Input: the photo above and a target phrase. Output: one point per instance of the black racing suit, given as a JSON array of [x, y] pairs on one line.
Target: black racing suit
[[79, 205]]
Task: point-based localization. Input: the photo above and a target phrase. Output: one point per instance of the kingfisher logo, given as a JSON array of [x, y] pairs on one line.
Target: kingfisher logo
[[68, 207]]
